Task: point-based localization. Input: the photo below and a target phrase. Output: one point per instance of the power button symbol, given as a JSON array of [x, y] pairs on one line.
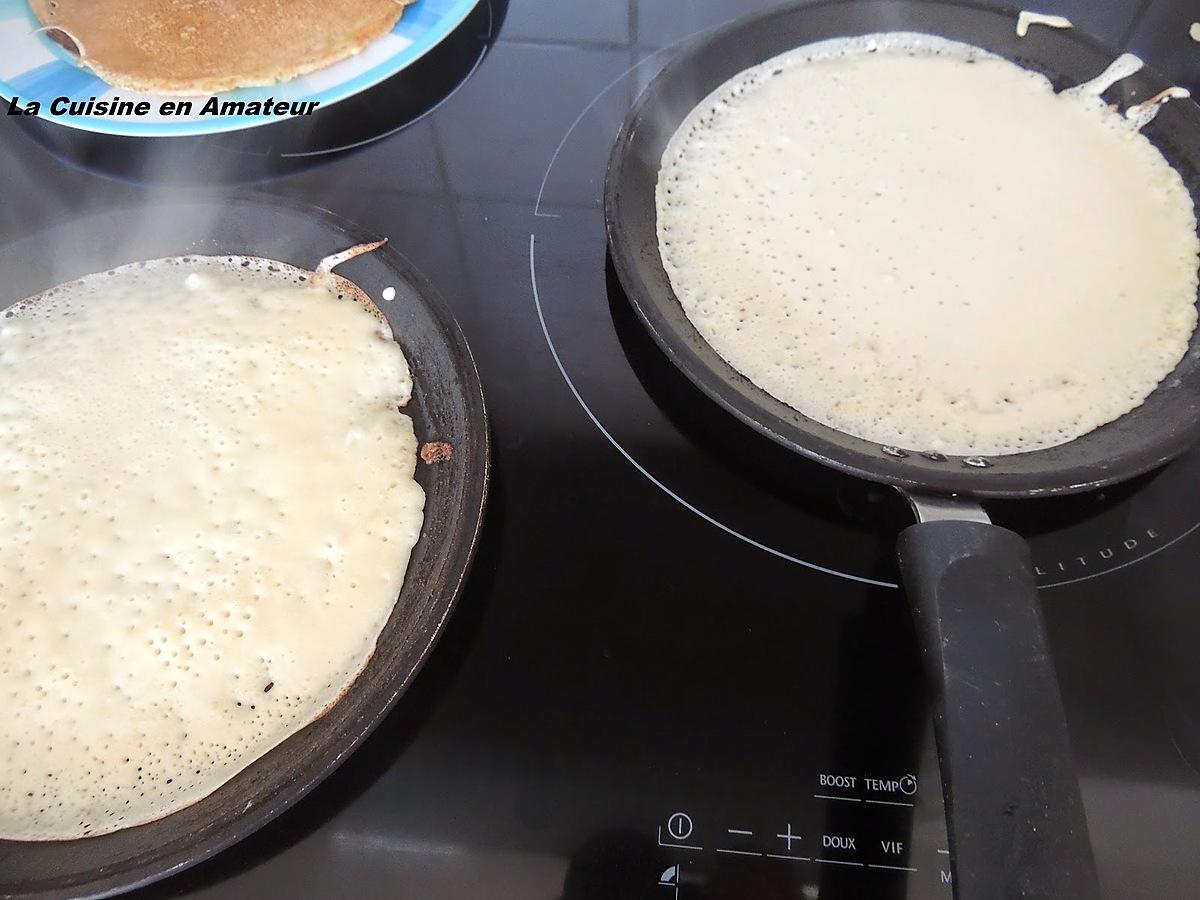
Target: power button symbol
[[679, 826]]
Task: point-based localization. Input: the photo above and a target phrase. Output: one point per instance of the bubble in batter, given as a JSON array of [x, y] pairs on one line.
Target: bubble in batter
[[207, 506]]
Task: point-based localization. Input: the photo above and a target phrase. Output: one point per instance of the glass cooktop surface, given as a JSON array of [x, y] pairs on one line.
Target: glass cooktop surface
[[682, 667]]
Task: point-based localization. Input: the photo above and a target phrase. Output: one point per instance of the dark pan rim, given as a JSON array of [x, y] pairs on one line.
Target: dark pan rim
[[466, 533], [758, 409]]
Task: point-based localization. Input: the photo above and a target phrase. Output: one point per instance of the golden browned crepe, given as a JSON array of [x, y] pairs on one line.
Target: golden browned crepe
[[204, 46]]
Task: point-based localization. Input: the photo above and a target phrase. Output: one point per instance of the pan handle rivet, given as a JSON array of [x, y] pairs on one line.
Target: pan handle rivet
[[934, 455], [894, 451], [977, 461]]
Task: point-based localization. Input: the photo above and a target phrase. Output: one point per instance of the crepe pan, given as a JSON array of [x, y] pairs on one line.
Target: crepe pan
[[447, 405], [1014, 813]]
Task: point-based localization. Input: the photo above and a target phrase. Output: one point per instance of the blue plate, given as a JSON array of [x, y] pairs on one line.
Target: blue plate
[[33, 67]]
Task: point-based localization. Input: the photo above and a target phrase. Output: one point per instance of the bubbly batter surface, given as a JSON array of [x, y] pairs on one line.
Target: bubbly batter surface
[[207, 506], [922, 244]]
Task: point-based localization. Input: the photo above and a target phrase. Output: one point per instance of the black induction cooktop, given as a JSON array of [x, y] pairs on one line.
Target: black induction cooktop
[[682, 667]]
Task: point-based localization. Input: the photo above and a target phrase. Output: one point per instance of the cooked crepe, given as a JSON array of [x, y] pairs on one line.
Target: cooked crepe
[[207, 506], [922, 244], [203, 46]]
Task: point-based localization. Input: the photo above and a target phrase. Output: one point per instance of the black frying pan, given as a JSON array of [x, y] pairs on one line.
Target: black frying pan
[[1015, 817], [447, 405]]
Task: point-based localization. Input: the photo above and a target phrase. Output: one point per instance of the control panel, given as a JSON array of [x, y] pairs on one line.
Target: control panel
[[855, 835]]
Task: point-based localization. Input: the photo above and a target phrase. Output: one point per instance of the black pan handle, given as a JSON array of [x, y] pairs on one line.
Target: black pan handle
[[1013, 810]]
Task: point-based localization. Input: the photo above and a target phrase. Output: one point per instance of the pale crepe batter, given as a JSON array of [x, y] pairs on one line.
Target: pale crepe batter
[[922, 244], [207, 506]]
